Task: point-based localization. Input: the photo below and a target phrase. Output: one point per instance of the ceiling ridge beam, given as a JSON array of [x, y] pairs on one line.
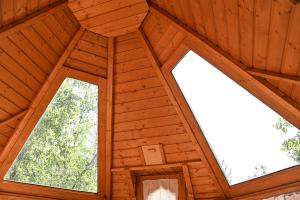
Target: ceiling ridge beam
[[157, 67], [230, 63], [32, 18], [274, 76], [13, 118], [58, 66]]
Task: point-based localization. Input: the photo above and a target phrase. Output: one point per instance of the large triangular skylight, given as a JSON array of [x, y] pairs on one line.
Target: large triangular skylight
[[248, 138], [61, 151]]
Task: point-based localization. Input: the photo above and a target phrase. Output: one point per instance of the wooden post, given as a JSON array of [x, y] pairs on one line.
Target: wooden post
[[188, 183], [109, 117]]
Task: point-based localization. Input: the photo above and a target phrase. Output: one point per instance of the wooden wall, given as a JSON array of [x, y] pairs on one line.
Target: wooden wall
[[144, 115], [263, 35]]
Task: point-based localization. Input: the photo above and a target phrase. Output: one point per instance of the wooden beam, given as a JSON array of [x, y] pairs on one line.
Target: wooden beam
[[154, 167], [131, 188], [157, 67], [278, 92], [32, 18], [274, 76], [109, 115], [58, 66], [13, 118], [188, 183], [232, 67]]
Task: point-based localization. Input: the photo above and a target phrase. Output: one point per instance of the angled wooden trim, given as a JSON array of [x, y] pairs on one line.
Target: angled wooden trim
[[32, 18], [285, 189], [274, 76], [109, 115], [13, 118], [131, 187], [236, 71], [188, 183], [156, 64]]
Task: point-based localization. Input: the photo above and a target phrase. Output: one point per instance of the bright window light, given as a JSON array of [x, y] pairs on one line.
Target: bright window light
[[62, 149], [248, 138]]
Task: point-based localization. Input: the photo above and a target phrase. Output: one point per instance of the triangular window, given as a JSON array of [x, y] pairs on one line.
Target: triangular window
[[248, 138], [61, 151]]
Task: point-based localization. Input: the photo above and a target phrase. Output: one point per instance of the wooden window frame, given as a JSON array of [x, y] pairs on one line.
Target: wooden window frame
[[50, 192], [287, 180], [179, 177]]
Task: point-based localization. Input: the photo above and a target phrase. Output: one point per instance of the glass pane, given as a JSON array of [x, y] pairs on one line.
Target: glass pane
[[248, 138], [160, 189], [62, 149]]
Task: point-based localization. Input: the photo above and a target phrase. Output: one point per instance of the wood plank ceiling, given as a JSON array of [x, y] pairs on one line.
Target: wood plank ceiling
[[110, 18], [264, 35]]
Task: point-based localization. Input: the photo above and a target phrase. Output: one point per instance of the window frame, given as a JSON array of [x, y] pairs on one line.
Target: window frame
[[287, 180], [179, 177], [16, 143]]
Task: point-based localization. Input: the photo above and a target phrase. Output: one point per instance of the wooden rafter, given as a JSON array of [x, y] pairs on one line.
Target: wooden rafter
[[274, 76], [188, 183], [157, 67], [109, 114], [228, 63], [13, 118], [32, 18]]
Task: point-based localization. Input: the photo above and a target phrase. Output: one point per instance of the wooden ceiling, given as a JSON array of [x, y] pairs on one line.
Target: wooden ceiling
[[110, 18], [262, 37]]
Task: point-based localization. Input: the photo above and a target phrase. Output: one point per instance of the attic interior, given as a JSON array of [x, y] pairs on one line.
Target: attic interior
[[111, 99]]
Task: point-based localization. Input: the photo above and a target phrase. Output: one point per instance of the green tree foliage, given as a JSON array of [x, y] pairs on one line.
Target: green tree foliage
[[259, 170], [292, 145], [62, 149], [227, 171]]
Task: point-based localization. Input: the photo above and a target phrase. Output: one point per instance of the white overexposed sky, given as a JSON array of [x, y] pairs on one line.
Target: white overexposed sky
[[238, 126]]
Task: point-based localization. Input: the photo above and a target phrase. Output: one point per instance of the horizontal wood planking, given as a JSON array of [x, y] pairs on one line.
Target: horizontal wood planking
[[143, 113]]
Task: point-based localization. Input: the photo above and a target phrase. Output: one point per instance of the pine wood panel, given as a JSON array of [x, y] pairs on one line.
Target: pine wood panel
[[27, 57], [110, 17]]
